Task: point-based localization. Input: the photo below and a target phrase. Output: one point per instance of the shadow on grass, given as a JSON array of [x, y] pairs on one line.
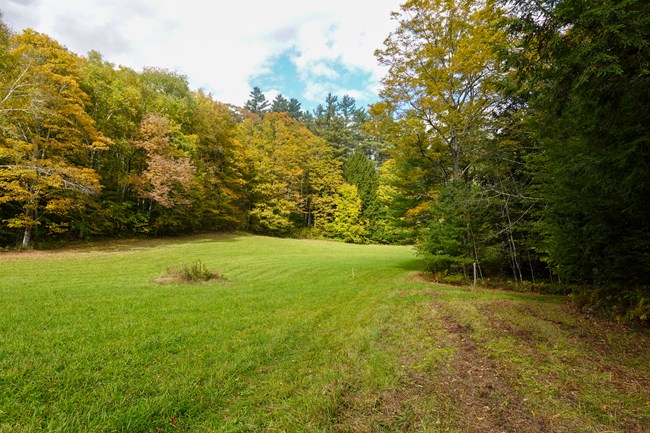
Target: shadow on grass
[[140, 244]]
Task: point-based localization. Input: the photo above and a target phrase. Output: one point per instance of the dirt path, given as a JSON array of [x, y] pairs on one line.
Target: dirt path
[[475, 383], [491, 364]]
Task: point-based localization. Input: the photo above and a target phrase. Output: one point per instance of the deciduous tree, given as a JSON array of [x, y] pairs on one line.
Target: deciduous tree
[[168, 173], [48, 141], [443, 73], [218, 200], [291, 173], [438, 108]]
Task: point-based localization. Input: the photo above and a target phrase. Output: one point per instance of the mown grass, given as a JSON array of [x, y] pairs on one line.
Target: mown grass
[[303, 336], [89, 341]]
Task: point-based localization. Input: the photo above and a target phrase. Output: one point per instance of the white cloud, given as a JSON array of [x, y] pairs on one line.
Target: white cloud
[[319, 68], [315, 91], [271, 94], [220, 46]]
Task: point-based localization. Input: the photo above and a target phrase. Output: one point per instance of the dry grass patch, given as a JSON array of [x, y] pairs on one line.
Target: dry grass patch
[[196, 273]]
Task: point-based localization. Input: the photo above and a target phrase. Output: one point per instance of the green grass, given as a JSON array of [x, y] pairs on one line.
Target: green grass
[[299, 336], [89, 341]]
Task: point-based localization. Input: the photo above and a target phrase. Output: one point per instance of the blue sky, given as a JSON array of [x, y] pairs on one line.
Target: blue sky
[[301, 48], [282, 76]]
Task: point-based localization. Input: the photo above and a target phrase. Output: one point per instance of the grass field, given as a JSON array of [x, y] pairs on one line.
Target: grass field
[[304, 336]]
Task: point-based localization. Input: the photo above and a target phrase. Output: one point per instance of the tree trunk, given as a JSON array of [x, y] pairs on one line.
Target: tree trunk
[[27, 236], [516, 267], [30, 218]]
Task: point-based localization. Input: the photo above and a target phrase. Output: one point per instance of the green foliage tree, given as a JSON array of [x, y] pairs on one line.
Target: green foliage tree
[[257, 102], [347, 108], [117, 107], [280, 104], [294, 109], [361, 172], [167, 93], [584, 67], [340, 123], [327, 124]]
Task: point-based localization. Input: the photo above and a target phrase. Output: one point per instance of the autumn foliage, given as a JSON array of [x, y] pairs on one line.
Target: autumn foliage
[[88, 149], [509, 141]]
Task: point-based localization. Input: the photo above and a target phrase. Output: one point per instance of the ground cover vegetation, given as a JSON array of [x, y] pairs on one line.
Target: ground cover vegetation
[[510, 137], [301, 336]]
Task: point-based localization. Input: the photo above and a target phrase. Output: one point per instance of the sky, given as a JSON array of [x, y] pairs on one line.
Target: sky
[[303, 49]]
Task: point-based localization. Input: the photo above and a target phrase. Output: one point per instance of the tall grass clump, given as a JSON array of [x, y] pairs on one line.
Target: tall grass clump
[[195, 273]]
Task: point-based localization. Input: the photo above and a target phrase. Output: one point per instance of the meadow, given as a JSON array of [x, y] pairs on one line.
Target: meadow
[[299, 336]]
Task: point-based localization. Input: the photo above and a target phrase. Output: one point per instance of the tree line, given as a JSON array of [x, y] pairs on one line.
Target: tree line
[[88, 149], [510, 137]]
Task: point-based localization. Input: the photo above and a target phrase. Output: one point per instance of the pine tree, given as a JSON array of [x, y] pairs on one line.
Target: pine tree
[[293, 109], [280, 104], [585, 66], [360, 171], [257, 102]]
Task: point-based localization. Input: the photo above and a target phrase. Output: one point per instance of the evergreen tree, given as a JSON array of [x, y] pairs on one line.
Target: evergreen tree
[[280, 104], [257, 102], [339, 122], [293, 109], [347, 108], [585, 66], [360, 171], [329, 111]]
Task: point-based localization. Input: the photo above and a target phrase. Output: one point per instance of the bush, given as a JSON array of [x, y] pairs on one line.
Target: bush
[[628, 304]]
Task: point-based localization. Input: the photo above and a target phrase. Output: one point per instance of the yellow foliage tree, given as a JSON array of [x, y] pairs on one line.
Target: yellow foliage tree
[[47, 140], [442, 83], [291, 173]]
